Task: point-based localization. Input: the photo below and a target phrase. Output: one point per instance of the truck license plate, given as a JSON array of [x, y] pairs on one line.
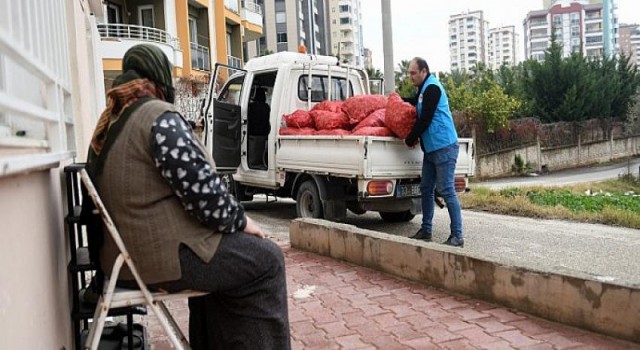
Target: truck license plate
[[411, 190]]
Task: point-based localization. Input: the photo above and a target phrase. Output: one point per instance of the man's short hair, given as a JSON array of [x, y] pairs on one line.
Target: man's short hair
[[421, 63]]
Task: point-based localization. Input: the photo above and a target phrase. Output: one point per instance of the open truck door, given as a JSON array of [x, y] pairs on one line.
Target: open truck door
[[222, 117]]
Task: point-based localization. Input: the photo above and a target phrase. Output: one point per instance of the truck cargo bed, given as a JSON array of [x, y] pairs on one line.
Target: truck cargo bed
[[364, 157]]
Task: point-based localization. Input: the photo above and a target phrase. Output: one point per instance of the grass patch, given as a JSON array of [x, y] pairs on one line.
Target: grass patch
[[614, 202]]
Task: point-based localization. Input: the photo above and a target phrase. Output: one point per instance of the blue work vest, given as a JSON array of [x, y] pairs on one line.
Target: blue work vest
[[441, 132]]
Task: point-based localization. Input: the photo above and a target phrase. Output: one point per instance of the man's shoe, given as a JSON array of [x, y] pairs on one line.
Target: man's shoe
[[454, 242], [422, 236]]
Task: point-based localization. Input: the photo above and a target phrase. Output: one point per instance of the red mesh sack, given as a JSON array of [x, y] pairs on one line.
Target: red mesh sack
[[297, 131], [333, 132], [373, 131], [298, 119], [374, 119], [329, 120], [359, 107], [331, 106], [399, 116]]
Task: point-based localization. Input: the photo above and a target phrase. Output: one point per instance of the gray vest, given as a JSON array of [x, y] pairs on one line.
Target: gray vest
[[149, 216]]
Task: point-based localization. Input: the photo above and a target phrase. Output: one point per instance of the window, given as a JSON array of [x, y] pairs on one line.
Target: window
[[193, 30], [344, 8], [281, 17], [345, 20], [114, 13], [320, 88], [281, 37], [146, 16]]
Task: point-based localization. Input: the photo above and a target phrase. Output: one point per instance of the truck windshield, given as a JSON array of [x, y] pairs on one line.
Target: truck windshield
[[320, 88]]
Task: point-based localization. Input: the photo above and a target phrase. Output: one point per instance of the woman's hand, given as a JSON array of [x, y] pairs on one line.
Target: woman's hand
[[252, 228]]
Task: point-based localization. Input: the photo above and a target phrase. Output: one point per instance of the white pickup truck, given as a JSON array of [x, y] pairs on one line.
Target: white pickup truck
[[325, 175]]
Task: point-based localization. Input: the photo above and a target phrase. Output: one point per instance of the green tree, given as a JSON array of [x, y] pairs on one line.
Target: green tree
[[373, 73]]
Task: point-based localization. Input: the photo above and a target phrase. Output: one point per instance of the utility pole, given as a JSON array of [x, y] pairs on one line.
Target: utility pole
[[312, 39], [606, 19], [387, 47]]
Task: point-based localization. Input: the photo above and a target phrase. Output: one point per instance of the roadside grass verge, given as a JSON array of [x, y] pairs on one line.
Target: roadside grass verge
[[613, 202]]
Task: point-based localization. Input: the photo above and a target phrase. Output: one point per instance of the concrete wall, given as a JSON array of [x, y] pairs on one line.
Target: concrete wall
[[499, 163], [34, 290], [601, 307]]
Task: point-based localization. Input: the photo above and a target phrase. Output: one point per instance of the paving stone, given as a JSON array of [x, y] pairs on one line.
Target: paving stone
[[355, 308]]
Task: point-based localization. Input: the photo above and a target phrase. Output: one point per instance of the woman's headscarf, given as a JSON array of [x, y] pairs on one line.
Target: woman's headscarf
[[146, 73]]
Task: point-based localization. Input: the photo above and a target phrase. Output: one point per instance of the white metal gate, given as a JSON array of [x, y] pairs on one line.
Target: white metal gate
[[36, 118]]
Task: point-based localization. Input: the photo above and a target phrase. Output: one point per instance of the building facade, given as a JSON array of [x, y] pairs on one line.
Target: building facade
[[468, 35], [630, 42], [368, 58], [290, 24], [192, 33], [587, 27], [503, 46], [345, 26]]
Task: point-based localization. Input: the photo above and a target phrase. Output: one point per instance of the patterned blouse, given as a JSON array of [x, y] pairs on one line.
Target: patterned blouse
[[185, 167]]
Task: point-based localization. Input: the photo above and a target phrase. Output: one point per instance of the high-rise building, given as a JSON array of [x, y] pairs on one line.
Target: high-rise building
[[467, 40], [589, 27], [503, 46], [345, 27], [288, 24], [630, 42], [368, 58]]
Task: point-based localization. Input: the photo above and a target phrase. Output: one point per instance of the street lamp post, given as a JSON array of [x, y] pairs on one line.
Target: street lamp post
[[387, 46]]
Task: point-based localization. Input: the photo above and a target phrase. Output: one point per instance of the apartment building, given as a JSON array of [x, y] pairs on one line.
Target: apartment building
[[468, 33], [183, 29], [630, 42], [587, 27], [288, 24], [345, 26], [503, 46]]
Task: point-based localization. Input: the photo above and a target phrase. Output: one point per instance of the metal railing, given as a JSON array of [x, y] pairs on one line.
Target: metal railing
[[252, 6], [136, 32], [200, 58], [234, 61]]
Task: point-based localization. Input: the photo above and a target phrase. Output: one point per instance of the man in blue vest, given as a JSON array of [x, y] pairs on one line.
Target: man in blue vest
[[436, 132]]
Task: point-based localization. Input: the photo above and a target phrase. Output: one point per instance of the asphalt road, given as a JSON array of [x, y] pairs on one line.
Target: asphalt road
[[570, 176], [607, 253]]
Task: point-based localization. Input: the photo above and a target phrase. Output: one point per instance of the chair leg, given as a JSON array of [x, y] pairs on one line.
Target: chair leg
[[97, 326], [102, 309], [169, 325], [174, 325]]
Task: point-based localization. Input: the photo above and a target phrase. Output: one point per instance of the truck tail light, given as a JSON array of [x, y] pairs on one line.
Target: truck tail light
[[379, 188], [460, 184]]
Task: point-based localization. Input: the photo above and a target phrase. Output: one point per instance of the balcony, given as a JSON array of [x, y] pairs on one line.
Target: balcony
[[118, 38], [200, 58], [251, 20], [234, 61]]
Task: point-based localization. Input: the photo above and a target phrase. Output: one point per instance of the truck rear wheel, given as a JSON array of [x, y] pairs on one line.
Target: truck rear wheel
[[401, 216], [308, 203]]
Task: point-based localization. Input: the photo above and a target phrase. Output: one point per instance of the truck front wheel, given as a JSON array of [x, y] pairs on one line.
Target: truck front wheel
[[308, 203], [402, 216]]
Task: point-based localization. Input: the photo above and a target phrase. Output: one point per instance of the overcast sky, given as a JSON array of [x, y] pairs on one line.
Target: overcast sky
[[420, 28]]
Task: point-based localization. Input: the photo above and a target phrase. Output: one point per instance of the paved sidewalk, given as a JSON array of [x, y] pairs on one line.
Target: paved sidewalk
[[338, 305]]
